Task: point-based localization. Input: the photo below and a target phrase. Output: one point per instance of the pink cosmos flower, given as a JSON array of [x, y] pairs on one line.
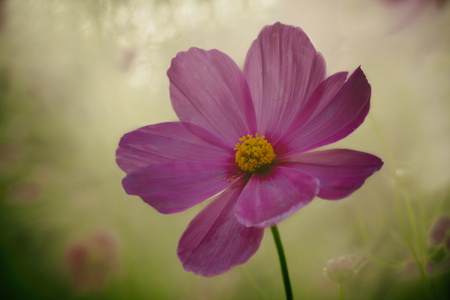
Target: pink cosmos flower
[[244, 136]]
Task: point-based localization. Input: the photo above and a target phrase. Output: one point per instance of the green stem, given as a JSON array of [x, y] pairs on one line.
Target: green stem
[[341, 292], [283, 265]]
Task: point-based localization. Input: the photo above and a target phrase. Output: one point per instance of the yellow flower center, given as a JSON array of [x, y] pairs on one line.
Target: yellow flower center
[[253, 153]]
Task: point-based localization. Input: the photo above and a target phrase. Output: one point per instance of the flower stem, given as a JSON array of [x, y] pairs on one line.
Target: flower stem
[[283, 265], [341, 292]]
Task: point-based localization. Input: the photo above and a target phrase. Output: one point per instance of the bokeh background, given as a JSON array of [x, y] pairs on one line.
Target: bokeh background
[[76, 75]]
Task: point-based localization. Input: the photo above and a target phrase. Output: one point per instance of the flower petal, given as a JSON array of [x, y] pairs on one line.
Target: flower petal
[[208, 89], [214, 241], [166, 142], [269, 198], [172, 187], [340, 171], [282, 70], [334, 121]]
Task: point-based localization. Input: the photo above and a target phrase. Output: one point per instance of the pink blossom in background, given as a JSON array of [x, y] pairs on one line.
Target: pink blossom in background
[[344, 268], [440, 232], [413, 2], [408, 10], [91, 261], [245, 137]]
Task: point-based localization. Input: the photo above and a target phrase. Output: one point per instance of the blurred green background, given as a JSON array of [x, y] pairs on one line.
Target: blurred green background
[[76, 75]]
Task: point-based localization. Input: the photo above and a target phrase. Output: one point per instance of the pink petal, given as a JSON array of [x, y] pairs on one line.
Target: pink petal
[[282, 70], [340, 171], [269, 198], [208, 89], [166, 142], [214, 241], [338, 118], [172, 187]]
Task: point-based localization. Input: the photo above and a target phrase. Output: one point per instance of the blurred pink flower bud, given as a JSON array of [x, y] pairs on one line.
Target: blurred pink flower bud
[[440, 232], [342, 269], [405, 11], [91, 261]]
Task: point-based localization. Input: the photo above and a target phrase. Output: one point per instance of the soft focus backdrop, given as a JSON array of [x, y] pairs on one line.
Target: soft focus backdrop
[[76, 75]]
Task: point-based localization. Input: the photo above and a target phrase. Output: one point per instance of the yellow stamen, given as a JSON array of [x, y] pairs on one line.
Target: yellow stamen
[[253, 153]]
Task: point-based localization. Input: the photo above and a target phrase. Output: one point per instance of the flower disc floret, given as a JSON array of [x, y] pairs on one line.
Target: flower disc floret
[[253, 153]]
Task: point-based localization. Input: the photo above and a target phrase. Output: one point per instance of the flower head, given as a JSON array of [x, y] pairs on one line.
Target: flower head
[[245, 135]]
